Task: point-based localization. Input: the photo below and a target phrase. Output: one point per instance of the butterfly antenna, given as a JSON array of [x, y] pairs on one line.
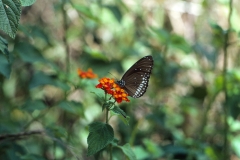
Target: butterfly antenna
[[112, 75]]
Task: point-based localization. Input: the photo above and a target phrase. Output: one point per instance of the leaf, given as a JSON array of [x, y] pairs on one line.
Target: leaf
[[28, 52], [4, 47], [100, 135], [235, 143], [85, 11], [71, 106], [10, 11], [152, 148], [37, 33], [56, 131], [128, 151], [32, 105], [180, 43], [119, 111], [40, 78], [141, 153], [116, 12], [27, 2], [125, 119], [5, 67]]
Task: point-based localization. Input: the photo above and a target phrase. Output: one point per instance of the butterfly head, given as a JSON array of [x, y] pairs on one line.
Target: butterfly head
[[121, 83]]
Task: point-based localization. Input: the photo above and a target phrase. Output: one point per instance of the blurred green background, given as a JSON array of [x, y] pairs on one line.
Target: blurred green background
[[191, 107]]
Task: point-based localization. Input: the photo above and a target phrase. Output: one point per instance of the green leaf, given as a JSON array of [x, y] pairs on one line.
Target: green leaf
[[116, 12], [179, 42], [33, 105], [5, 67], [40, 78], [4, 47], [236, 145], [10, 11], [101, 134], [128, 151], [71, 106], [56, 131], [28, 52], [125, 119], [140, 152], [27, 2], [118, 111], [153, 148], [85, 11]]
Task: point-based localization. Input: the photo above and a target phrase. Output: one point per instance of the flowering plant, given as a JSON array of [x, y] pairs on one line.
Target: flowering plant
[[110, 87], [101, 134]]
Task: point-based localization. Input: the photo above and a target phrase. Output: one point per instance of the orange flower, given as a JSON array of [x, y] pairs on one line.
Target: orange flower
[[120, 95], [110, 87], [86, 74]]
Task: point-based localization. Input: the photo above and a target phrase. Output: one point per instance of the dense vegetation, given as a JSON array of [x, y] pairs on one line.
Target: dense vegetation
[[53, 54]]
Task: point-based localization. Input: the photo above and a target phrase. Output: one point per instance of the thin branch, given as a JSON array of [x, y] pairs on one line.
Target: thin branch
[[20, 135]]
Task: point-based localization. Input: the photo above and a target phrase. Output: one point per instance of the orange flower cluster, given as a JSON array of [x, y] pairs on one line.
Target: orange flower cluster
[[110, 87], [86, 74]]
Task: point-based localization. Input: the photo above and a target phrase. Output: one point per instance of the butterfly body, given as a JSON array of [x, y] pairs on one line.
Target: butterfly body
[[135, 80]]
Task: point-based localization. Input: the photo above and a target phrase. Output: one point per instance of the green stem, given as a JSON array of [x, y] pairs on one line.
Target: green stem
[[134, 132], [226, 126], [107, 115], [66, 46], [111, 152], [205, 116]]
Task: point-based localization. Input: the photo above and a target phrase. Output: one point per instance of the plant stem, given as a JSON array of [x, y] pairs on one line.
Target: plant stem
[[107, 115], [66, 46], [226, 126], [205, 116]]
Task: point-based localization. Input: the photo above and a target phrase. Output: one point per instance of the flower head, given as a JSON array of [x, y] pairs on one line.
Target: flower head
[[106, 84], [110, 87], [86, 74]]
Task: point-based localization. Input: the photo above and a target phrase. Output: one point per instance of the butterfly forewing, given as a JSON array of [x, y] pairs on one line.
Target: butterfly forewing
[[135, 80]]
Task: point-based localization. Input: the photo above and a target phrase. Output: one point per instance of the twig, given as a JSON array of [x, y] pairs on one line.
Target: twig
[[20, 135]]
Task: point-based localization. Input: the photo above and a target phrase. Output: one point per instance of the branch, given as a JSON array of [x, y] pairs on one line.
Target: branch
[[20, 135]]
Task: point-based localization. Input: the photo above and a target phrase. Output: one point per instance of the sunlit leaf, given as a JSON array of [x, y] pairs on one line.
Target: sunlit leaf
[[27, 2], [100, 135], [127, 150], [85, 11], [10, 11], [116, 12], [140, 152]]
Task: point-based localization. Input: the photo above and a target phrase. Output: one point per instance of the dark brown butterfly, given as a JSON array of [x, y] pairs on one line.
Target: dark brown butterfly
[[135, 80]]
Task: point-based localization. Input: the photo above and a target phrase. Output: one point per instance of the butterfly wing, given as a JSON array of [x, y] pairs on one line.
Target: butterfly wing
[[135, 80]]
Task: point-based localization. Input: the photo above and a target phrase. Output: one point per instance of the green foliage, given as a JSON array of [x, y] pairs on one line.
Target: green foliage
[[5, 66], [27, 2], [10, 12], [118, 111], [4, 47], [191, 107], [100, 135], [128, 151]]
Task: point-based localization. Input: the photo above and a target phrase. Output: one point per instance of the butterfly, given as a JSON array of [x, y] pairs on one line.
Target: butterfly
[[135, 80]]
